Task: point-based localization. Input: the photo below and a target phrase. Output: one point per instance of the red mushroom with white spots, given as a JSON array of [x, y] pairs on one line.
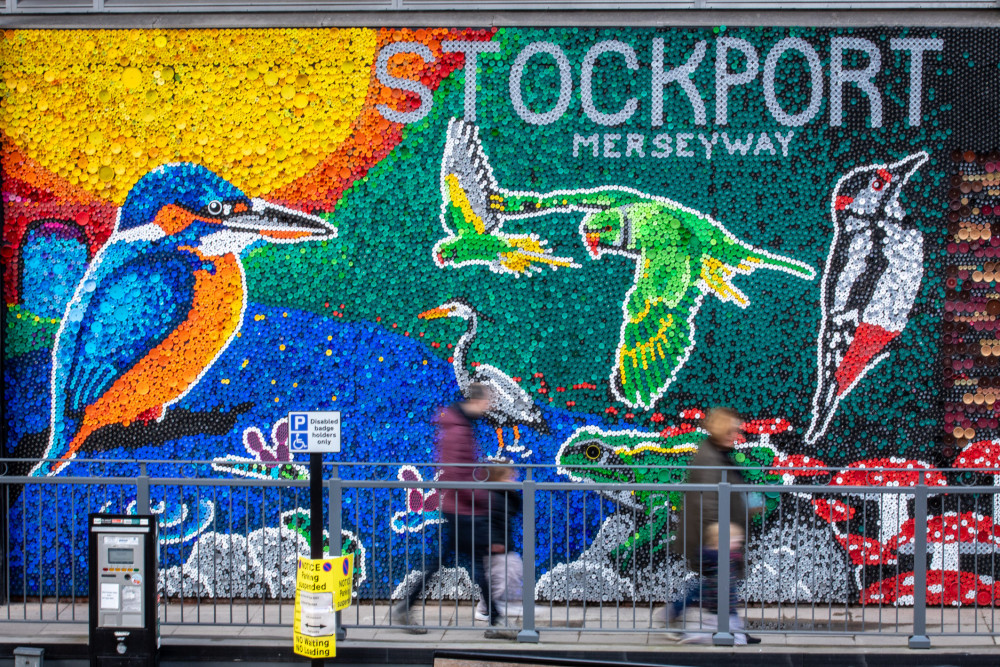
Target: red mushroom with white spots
[[948, 537], [983, 454], [944, 587], [888, 472], [765, 428], [798, 467]]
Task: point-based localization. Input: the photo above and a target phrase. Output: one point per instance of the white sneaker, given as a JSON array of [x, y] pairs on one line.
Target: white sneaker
[[482, 614]]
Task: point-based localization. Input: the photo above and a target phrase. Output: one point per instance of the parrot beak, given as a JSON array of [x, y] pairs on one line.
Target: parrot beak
[[278, 223], [434, 313], [593, 243]]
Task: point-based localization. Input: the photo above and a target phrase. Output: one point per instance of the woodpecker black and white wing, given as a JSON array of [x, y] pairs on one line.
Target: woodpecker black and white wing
[[844, 295]]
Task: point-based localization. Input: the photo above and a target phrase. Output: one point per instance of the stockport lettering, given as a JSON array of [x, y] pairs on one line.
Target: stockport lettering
[[677, 78]]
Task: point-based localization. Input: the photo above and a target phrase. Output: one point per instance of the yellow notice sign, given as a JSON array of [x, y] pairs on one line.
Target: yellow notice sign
[[327, 575], [323, 587]]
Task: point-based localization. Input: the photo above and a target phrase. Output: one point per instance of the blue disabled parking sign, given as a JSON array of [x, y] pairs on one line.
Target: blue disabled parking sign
[[314, 432], [298, 427]]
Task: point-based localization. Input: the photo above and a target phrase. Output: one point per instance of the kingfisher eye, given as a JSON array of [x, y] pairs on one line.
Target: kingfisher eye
[[592, 452], [877, 184], [608, 228], [214, 207]]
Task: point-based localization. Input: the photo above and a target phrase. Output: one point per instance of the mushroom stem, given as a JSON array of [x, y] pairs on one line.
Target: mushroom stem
[[996, 500], [892, 514], [943, 556]]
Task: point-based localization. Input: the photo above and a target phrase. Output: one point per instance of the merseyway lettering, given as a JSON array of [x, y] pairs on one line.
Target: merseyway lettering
[[682, 144]]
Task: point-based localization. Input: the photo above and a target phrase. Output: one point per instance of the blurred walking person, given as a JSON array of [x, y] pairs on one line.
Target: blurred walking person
[[700, 531], [465, 511], [504, 564]]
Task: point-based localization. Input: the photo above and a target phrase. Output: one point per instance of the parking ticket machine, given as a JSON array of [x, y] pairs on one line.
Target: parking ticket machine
[[124, 625]]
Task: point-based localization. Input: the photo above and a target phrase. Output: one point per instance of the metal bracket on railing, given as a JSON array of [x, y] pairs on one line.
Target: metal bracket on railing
[[919, 639], [723, 637], [142, 490], [528, 633], [335, 498]]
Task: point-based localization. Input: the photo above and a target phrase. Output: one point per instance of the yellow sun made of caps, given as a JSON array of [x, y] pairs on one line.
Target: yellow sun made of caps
[[261, 108]]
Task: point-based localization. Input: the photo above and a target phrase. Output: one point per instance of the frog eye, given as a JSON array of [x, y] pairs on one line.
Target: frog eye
[[592, 452]]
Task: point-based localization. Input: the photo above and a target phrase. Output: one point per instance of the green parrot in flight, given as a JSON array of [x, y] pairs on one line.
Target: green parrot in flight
[[680, 256]]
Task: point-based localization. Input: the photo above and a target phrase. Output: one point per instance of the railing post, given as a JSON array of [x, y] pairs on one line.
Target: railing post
[[919, 639], [528, 634], [142, 491], [723, 637], [335, 498]]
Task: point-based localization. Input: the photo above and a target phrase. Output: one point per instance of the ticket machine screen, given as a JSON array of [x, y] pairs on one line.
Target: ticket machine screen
[[121, 556]]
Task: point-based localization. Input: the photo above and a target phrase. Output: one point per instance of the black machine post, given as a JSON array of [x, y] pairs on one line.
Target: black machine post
[[124, 624]]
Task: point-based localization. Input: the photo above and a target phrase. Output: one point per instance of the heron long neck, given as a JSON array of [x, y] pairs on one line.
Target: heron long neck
[[462, 350]]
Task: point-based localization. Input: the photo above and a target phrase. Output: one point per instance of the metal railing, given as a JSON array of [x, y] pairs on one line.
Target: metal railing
[[832, 559]]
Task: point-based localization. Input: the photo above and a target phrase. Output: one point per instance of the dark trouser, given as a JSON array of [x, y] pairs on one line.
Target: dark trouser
[[469, 536], [708, 593]]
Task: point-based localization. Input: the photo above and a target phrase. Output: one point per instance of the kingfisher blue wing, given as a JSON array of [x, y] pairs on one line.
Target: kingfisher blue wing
[[130, 312]]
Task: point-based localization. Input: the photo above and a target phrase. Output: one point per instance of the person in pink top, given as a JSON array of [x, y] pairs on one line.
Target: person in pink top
[[466, 511]]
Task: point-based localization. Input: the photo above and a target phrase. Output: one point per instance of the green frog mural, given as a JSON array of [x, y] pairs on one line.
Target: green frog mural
[[596, 456]]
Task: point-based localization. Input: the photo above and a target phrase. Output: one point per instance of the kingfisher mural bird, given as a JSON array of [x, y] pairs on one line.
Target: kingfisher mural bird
[[159, 303], [871, 279], [473, 221], [680, 255]]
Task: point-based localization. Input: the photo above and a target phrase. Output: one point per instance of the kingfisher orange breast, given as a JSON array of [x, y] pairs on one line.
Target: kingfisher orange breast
[[169, 369]]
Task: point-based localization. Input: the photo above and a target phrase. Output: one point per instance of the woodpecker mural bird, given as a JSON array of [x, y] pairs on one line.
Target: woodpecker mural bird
[[159, 303], [871, 279]]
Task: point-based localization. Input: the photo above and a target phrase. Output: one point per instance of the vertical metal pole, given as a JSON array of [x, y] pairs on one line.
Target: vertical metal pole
[[335, 498], [723, 637], [142, 491], [919, 639], [316, 515], [528, 634]]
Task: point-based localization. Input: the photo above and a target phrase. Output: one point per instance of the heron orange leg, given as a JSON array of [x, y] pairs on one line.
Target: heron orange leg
[[500, 440], [517, 434]]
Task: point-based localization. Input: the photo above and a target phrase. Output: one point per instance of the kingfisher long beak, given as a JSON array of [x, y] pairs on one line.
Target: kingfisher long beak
[[279, 223], [433, 314], [593, 241]]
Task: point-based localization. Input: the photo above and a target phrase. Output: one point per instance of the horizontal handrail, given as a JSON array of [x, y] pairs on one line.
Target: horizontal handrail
[[521, 466]]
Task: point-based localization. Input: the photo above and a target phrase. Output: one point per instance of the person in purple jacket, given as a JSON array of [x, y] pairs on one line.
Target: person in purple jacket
[[466, 511]]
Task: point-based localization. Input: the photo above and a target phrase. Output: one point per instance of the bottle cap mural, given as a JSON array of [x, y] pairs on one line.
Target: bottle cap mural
[[613, 228]]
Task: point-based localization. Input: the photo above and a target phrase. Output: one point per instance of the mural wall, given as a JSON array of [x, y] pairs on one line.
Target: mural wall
[[615, 228]]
